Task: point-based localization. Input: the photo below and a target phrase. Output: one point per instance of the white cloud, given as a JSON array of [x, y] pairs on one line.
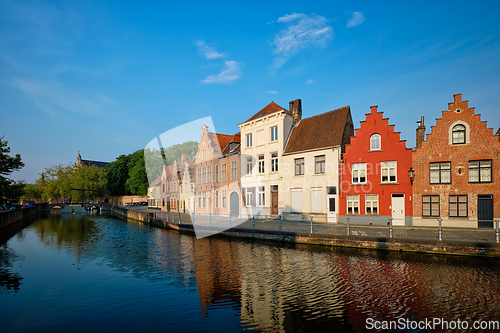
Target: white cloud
[[302, 31], [309, 81], [272, 92], [55, 98], [356, 19], [207, 51], [230, 73]]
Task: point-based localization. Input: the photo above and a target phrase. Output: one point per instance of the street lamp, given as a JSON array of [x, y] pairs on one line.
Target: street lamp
[[411, 173]]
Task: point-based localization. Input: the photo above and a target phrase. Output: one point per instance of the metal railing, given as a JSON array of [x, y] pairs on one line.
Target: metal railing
[[277, 223]]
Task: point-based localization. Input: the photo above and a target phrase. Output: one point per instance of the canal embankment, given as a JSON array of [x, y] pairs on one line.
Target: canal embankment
[[460, 241], [10, 217]]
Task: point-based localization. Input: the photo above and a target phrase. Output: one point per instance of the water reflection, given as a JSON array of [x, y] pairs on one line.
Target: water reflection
[[272, 287]]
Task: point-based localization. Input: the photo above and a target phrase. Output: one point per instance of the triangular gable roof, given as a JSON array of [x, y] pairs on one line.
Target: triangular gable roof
[[320, 131], [269, 109]]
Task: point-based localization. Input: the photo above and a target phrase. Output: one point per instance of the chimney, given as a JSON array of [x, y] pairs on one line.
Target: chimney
[[296, 110], [183, 159], [420, 132]]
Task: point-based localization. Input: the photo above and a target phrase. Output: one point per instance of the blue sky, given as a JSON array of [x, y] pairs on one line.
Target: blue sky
[[105, 78]]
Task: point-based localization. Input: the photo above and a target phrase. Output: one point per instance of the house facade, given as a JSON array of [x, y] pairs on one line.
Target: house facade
[[263, 137], [375, 180], [457, 170], [310, 176]]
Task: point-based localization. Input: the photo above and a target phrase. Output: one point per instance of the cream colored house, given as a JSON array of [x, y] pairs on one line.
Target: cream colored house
[[310, 167], [263, 137]]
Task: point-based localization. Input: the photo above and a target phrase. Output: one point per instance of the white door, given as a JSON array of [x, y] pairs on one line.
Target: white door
[[398, 209], [331, 202]]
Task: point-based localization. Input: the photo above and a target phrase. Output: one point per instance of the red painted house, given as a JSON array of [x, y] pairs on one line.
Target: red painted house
[[375, 183]]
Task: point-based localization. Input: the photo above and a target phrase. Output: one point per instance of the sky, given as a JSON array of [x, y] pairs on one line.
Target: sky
[[105, 78]]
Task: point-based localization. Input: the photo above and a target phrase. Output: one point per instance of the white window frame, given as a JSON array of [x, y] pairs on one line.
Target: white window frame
[[373, 141], [261, 199], [203, 154], [216, 199], [274, 133], [249, 165], [248, 196], [299, 166], [224, 199], [261, 164], [274, 162], [358, 170], [234, 170], [389, 166], [249, 140], [320, 164], [352, 204], [371, 202], [223, 176], [217, 174]]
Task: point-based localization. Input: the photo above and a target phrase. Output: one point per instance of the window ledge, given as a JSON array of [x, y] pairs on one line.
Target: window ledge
[[373, 150], [389, 183], [359, 184]]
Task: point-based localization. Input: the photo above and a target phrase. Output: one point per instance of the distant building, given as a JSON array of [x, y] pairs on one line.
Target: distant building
[[98, 164]]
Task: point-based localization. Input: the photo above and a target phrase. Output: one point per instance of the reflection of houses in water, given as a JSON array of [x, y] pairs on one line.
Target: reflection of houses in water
[[289, 290], [217, 272], [448, 285], [377, 288]]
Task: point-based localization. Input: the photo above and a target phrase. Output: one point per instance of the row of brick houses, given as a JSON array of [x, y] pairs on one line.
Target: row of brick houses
[[320, 167]]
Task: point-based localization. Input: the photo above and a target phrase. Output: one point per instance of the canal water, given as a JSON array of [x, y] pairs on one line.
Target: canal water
[[101, 274]]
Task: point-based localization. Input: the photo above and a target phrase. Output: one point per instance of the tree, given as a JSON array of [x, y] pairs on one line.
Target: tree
[[175, 152], [32, 192], [8, 164], [137, 182]]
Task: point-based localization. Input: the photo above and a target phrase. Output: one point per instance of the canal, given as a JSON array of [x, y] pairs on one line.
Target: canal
[[93, 273]]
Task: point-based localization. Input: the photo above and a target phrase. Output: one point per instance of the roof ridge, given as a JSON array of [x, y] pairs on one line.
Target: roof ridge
[[321, 114]]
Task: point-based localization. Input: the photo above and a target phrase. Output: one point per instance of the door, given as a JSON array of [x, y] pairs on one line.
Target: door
[[274, 200], [485, 211], [331, 215], [296, 200], [398, 209], [234, 204]]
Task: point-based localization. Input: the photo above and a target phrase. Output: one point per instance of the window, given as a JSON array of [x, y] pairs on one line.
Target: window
[[199, 200], [458, 206], [224, 198], [371, 203], [216, 199], [440, 172], [216, 173], [261, 164], [204, 199], [480, 171], [209, 174], [358, 173], [163, 188], [375, 142], [274, 133], [249, 140], [319, 164], [458, 134], [248, 196], [353, 204], [430, 205], [388, 171], [223, 176], [299, 166], [249, 166], [262, 196], [203, 154], [233, 170], [274, 162]]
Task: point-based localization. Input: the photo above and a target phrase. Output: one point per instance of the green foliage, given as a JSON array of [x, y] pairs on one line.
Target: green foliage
[[137, 182], [8, 164], [31, 192], [175, 152], [60, 182]]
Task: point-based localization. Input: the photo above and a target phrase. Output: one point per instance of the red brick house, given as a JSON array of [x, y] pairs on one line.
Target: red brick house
[[457, 174], [375, 182]]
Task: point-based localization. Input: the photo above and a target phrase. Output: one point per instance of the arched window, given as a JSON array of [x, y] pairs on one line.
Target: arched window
[[458, 134], [375, 142]]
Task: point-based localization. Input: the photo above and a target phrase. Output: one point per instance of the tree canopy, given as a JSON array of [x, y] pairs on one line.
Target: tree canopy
[[8, 164]]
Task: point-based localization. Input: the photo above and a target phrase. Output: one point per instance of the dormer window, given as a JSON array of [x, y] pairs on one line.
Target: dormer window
[[375, 142], [458, 134]]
